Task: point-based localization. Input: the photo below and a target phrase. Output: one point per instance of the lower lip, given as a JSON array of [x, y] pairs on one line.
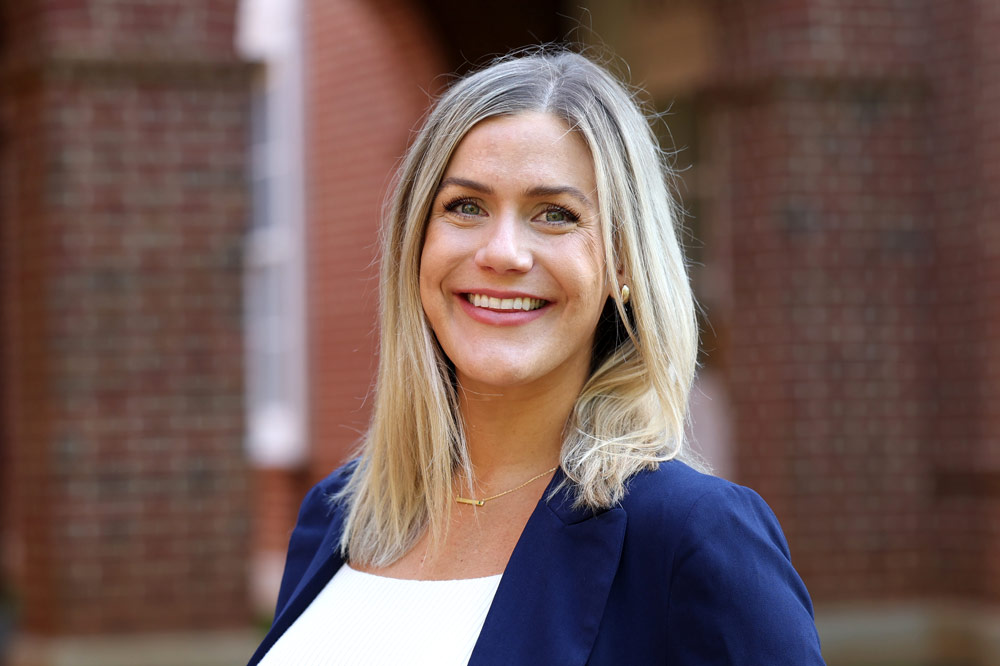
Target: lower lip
[[501, 317]]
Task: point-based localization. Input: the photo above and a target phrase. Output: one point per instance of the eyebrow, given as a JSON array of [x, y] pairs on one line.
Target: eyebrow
[[537, 191]]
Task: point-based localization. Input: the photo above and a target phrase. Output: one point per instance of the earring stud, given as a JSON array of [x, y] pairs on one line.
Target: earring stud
[[625, 293]]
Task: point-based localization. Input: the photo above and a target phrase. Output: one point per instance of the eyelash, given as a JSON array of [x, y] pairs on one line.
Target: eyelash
[[572, 217]]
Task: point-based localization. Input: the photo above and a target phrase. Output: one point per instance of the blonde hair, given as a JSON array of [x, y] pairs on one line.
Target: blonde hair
[[632, 411]]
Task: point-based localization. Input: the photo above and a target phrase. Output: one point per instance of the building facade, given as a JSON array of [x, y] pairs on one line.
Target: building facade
[[186, 350]]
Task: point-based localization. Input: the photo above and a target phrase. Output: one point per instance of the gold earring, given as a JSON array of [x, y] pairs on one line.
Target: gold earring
[[625, 293]]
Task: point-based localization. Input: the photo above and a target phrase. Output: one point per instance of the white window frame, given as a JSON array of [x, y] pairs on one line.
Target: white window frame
[[270, 33]]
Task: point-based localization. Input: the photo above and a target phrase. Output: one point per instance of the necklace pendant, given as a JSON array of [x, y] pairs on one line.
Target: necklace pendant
[[473, 502]]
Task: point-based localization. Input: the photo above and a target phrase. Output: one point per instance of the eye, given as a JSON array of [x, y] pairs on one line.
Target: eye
[[557, 215], [465, 207]]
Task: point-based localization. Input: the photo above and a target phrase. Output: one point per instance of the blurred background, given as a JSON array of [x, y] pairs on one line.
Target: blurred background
[[189, 197]]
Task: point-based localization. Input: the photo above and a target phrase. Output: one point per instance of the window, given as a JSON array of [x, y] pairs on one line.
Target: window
[[274, 268]]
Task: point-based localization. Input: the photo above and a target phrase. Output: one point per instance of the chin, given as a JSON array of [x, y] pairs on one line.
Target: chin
[[501, 379], [494, 374]]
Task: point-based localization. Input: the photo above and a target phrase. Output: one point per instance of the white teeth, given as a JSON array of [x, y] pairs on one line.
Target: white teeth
[[519, 303]]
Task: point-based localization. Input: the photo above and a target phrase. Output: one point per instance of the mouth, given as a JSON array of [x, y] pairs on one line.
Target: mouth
[[520, 303]]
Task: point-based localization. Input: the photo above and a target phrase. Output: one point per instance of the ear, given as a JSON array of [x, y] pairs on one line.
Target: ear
[[620, 277], [615, 289]]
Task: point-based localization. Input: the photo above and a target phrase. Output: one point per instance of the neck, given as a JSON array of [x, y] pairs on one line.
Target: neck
[[514, 433]]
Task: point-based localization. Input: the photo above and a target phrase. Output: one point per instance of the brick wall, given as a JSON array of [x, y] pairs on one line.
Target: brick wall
[[116, 29], [124, 131]]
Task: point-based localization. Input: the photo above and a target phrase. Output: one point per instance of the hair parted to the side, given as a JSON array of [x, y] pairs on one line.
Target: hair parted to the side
[[632, 410]]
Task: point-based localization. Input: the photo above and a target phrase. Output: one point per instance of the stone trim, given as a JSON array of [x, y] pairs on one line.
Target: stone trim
[[215, 74], [187, 649], [920, 633]]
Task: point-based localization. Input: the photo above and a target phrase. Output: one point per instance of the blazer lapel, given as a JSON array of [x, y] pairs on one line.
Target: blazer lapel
[[551, 598], [324, 565]]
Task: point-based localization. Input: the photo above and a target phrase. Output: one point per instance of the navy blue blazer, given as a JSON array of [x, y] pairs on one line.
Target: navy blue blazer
[[688, 570]]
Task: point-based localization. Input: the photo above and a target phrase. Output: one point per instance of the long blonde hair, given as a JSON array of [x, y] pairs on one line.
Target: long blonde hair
[[632, 410]]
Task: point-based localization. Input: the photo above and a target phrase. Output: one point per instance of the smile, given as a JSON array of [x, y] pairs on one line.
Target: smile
[[520, 303]]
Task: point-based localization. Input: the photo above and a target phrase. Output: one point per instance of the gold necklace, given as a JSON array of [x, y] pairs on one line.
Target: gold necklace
[[480, 502]]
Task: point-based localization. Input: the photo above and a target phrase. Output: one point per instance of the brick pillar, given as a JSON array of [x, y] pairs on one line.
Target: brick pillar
[[817, 133], [964, 65], [123, 162]]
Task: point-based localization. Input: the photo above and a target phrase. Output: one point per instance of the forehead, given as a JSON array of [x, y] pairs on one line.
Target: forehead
[[531, 146]]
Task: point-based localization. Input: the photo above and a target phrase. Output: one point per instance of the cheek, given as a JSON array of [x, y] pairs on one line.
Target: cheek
[[432, 270], [426, 289], [593, 281]]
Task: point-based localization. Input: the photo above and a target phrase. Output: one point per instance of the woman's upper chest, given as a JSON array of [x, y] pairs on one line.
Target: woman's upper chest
[[478, 542]]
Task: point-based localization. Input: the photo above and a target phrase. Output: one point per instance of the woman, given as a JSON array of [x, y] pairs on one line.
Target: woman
[[520, 497]]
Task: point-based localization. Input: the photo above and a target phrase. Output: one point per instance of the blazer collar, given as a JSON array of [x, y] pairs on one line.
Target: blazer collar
[[551, 599], [552, 595]]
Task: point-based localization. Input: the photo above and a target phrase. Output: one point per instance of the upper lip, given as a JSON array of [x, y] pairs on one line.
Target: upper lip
[[497, 293]]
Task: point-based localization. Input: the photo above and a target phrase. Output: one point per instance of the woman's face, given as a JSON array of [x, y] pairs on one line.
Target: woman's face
[[512, 270]]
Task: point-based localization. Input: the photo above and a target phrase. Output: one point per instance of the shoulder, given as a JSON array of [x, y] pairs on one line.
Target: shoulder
[[675, 480], [321, 503], [668, 496], [322, 497], [678, 510], [734, 596]]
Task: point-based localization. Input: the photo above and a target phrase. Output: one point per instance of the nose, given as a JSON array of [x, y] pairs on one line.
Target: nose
[[504, 248]]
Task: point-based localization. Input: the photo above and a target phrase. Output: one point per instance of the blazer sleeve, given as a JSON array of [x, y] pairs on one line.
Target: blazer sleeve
[[735, 597]]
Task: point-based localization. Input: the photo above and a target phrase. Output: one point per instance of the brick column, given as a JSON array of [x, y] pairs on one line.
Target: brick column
[[965, 70], [123, 206], [817, 135]]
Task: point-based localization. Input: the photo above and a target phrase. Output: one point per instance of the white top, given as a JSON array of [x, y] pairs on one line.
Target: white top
[[360, 619]]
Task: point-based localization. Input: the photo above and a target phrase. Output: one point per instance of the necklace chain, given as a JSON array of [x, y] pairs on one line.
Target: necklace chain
[[481, 502]]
